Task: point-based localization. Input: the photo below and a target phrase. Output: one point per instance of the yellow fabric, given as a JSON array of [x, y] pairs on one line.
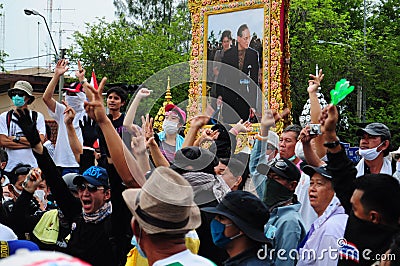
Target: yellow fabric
[[134, 259], [192, 242], [47, 228]]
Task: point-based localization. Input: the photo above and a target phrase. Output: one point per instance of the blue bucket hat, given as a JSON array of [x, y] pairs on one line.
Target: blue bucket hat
[[94, 175]]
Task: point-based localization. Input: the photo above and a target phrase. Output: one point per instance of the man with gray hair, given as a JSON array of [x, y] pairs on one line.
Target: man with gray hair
[[238, 78]]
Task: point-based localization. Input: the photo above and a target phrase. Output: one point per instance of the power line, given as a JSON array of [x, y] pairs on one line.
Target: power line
[[27, 58]]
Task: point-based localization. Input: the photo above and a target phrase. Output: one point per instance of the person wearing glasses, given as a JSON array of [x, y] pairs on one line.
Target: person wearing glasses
[[11, 136], [285, 228], [99, 234], [170, 140]]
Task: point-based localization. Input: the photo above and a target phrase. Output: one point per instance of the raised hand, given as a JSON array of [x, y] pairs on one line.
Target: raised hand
[[315, 82], [89, 132], [243, 127], [143, 93], [69, 114], [199, 121], [305, 136], [329, 118], [138, 143], [61, 67], [80, 73], [24, 121], [32, 180], [147, 127], [95, 109]]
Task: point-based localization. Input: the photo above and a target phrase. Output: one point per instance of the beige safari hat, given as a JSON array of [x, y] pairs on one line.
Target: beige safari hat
[[23, 86], [164, 204]]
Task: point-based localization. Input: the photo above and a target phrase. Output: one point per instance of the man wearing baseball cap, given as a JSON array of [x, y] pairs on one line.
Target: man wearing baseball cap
[[375, 145], [163, 212], [170, 140], [11, 136], [331, 221], [238, 227], [285, 228]]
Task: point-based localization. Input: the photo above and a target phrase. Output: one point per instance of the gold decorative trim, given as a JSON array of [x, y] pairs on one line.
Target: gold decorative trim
[[276, 83]]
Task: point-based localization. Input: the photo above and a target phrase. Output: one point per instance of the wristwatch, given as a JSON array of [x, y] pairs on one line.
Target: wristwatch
[[331, 145], [17, 139], [83, 81]]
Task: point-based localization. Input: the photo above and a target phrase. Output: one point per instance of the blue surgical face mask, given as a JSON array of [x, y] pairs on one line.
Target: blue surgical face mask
[[18, 100], [135, 243], [217, 233]]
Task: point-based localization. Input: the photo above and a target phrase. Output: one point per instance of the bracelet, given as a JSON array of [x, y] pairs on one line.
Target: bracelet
[[235, 131], [261, 138], [83, 81]]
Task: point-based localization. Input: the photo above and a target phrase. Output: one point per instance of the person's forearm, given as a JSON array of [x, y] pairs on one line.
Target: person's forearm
[[311, 156], [157, 156], [69, 205], [143, 161], [74, 142], [130, 114], [49, 92], [190, 137], [123, 160], [10, 144]]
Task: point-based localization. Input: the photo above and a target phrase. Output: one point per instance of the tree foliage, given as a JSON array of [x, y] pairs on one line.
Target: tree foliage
[[131, 53], [151, 35], [340, 25]]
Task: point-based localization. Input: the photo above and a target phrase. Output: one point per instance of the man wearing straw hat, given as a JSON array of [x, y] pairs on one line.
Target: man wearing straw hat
[[163, 212]]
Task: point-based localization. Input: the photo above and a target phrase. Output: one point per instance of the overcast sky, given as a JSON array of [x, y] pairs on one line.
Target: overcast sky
[[24, 38]]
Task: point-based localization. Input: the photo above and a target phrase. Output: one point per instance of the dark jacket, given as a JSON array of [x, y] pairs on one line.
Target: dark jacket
[[238, 88], [105, 243], [359, 234], [23, 224]]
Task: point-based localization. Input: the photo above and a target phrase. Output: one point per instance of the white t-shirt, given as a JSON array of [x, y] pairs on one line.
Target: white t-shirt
[[6, 234], [307, 212], [16, 156], [184, 258], [63, 155]]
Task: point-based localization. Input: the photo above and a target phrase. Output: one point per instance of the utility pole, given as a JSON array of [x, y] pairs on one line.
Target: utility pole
[[61, 82], [363, 91]]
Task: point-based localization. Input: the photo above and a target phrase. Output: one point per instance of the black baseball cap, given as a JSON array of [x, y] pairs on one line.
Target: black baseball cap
[[322, 170], [282, 167]]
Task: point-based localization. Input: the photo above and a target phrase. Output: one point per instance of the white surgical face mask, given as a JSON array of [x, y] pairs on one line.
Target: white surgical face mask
[[170, 127], [370, 154], [76, 102], [298, 150], [398, 166]]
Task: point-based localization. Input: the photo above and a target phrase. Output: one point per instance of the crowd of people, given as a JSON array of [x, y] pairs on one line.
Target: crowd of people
[[110, 192]]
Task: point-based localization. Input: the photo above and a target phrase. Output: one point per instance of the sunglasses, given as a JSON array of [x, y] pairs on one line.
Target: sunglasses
[[19, 93], [91, 188], [279, 164]]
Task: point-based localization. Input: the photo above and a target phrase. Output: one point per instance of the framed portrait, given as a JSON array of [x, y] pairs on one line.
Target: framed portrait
[[239, 58]]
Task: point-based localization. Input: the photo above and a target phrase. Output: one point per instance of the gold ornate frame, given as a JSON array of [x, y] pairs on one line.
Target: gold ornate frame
[[276, 56]]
